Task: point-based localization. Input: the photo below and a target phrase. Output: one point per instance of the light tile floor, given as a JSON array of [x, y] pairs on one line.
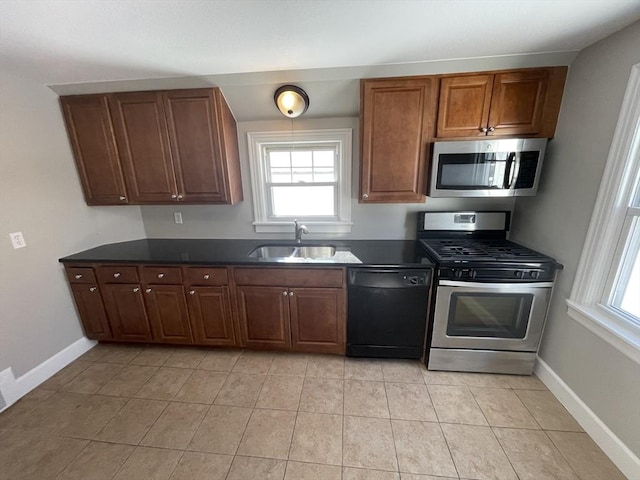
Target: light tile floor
[[131, 412]]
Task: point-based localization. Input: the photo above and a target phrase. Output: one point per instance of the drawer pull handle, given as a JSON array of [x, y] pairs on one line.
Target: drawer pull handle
[[192, 292], [148, 290], [78, 276], [136, 290], [93, 289], [206, 276], [116, 275], [160, 275]]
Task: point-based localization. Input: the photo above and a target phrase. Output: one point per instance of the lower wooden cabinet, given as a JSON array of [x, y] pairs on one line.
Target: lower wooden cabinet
[[127, 314], [91, 310], [167, 311], [210, 315], [217, 306], [317, 319], [263, 314], [307, 314]]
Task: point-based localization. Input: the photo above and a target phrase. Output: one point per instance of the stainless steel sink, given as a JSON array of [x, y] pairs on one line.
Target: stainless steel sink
[[293, 251], [316, 251], [273, 251]]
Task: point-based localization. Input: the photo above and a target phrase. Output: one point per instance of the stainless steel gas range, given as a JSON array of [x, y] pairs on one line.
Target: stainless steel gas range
[[491, 295]]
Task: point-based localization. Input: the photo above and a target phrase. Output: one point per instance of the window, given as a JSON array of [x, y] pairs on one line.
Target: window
[[606, 293], [303, 175]]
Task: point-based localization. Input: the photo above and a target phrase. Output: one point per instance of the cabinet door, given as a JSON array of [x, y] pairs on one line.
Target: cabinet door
[[141, 132], [396, 121], [264, 317], [94, 148], [518, 101], [167, 310], [127, 315], [210, 314], [196, 145], [318, 319], [91, 310], [463, 109]]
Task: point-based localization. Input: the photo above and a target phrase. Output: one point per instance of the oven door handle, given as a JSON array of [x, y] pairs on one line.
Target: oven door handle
[[494, 286]]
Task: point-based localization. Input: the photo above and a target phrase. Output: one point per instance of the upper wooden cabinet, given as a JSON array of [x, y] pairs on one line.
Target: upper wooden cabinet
[[94, 147], [396, 123], [173, 146], [516, 102]]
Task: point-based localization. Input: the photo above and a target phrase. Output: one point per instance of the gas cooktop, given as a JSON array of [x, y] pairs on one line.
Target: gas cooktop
[[480, 250]]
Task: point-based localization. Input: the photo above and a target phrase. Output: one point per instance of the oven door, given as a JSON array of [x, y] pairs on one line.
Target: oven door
[[490, 316]]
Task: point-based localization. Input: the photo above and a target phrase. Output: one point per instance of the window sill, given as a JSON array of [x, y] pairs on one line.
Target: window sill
[[314, 227], [617, 332]]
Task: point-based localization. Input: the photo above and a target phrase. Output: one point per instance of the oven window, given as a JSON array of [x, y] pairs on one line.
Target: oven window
[[499, 315]]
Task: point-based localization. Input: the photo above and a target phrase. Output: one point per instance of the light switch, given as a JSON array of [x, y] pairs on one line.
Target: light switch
[[17, 240], [177, 217]]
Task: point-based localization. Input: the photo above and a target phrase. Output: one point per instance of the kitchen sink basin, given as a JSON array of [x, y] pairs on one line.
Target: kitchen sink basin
[[293, 251]]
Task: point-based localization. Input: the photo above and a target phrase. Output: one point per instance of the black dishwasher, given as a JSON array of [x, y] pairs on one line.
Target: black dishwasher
[[387, 312]]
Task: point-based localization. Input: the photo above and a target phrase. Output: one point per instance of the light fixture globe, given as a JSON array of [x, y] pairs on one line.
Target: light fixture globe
[[292, 101]]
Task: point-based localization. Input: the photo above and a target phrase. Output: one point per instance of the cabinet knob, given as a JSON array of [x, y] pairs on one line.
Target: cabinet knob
[[116, 275], [78, 276], [192, 292], [284, 294], [365, 196], [148, 290], [136, 290], [291, 294], [93, 289], [206, 276], [161, 275], [492, 129], [122, 198], [174, 196], [179, 197], [484, 129]]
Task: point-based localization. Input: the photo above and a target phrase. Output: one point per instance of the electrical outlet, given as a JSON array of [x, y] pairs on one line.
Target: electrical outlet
[[177, 217], [17, 240]]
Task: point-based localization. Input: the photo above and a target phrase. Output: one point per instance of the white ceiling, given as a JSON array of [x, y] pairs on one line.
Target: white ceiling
[[81, 41]]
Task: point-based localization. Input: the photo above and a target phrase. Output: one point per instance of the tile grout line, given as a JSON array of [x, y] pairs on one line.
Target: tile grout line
[[562, 454], [393, 437]]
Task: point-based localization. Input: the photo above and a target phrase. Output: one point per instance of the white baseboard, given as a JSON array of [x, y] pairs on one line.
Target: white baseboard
[[12, 389], [611, 445]]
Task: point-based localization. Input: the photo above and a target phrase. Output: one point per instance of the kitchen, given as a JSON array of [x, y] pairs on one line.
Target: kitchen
[[35, 189]]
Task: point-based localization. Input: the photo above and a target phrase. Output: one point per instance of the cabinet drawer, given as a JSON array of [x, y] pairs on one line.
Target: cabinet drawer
[[290, 277], [117, 274], [80, 275], [161, 275], [207, 276]]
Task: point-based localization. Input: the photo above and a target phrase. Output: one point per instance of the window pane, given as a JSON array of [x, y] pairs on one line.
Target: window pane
[[290, 201], [301, 158], [324, 158], [279, 159], [626, 295]]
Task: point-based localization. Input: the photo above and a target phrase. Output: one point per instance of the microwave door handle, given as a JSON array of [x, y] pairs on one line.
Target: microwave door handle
[[508, 174], [515, 172]]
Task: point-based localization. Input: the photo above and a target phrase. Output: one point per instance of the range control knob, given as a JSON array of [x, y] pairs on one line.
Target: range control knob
[[534, 274], [519, 273], [457, 273], [472, 273]]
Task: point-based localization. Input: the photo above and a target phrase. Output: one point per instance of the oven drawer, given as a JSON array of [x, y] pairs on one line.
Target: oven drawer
[[490, 316]]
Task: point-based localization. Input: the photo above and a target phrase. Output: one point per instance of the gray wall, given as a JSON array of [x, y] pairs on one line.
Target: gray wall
[[40, 195], [557, 219], [370, 221]]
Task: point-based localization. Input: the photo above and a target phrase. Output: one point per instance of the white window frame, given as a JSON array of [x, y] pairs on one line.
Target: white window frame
[[591, 294], [257, 141]]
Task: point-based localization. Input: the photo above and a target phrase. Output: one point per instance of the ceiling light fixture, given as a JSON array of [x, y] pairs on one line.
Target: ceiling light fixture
[[292, 101]]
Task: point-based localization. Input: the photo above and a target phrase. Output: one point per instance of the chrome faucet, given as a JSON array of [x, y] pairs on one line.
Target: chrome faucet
[[300, 229]]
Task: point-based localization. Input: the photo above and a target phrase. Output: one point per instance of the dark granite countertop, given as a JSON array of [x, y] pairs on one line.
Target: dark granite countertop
[[235, 252]]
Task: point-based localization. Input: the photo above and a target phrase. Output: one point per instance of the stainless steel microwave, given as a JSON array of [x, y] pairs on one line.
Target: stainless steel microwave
[[487, 168]]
